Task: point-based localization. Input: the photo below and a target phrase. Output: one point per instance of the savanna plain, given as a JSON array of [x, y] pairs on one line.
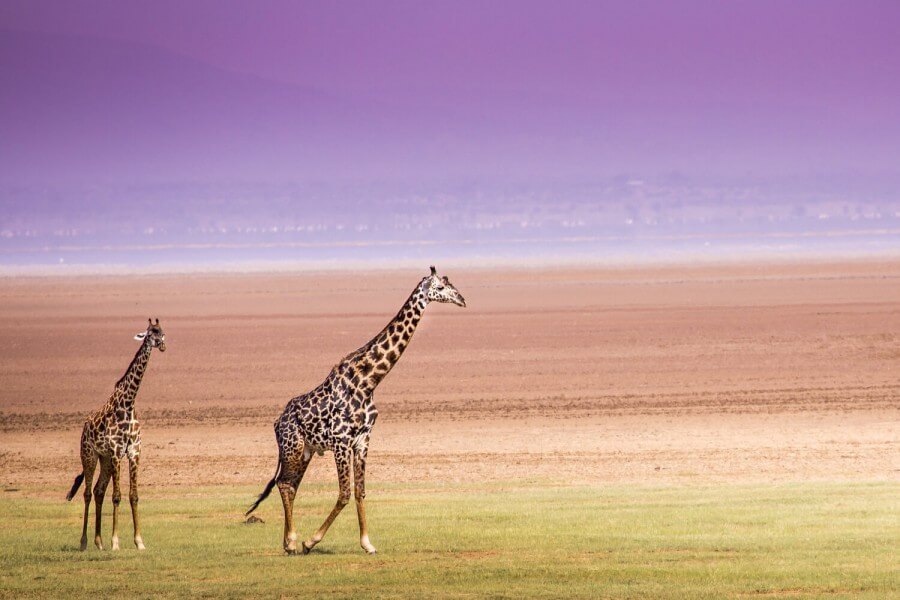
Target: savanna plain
[[679, 432]]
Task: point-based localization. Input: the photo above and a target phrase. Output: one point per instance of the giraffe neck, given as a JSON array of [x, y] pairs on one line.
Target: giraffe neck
[[127, 386], [375, 360]]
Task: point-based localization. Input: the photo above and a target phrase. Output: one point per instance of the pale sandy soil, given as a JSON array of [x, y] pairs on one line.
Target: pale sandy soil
[[740, 373]]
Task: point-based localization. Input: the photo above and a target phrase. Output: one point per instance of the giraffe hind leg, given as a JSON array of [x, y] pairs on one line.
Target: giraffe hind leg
[[88, 464], [99, 493], [293, 467]]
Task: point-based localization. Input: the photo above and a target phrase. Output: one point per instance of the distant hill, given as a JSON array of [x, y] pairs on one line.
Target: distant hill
[[84, 109]]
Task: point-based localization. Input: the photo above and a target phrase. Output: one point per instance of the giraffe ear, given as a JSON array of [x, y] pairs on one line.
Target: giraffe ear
[[140, 336], [433, 270]]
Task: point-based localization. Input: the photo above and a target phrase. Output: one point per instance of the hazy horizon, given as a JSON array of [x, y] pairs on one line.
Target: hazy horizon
[[209, 133]]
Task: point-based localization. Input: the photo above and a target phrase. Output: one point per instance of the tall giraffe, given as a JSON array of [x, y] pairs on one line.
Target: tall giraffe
[[111, 434], [339, 414]]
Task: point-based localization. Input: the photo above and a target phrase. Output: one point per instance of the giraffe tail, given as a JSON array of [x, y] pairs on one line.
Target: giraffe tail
[[267, 491], [75, 487]]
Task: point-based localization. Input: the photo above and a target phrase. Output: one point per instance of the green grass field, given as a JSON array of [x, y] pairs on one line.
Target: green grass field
[[502, 541]]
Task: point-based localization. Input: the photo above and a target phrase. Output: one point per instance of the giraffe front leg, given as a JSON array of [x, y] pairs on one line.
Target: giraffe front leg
[[133, 499], [359, 491], [99, 493], [342, 458], [117, 498]]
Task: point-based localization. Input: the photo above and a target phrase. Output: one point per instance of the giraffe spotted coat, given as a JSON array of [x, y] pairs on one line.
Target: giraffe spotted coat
[[339, 414], [111, 434]]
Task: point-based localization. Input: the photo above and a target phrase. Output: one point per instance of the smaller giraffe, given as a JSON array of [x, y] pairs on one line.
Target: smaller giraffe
[[112, 434]]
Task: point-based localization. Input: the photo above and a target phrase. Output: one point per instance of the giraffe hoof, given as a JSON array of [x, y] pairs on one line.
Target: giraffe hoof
[[366, 545], [115, 544], [83, 546], [306, 548]]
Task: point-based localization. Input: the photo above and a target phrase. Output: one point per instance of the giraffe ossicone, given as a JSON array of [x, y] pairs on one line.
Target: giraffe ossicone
[[111, 434], [339, 414]]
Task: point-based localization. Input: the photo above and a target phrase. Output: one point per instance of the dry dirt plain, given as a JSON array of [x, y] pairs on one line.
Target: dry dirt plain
[[738, 373]]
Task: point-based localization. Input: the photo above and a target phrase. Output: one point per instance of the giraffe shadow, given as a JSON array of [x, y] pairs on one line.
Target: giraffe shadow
[[90, 554], [326, 551]]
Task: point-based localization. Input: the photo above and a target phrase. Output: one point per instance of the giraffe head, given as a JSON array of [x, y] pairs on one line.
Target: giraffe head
[[155, 334], [439, 289]]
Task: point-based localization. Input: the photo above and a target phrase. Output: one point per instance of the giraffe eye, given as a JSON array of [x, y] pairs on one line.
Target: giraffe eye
[[439, 288]]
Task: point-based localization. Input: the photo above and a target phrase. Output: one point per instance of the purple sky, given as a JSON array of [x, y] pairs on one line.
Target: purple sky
[[209, 90]]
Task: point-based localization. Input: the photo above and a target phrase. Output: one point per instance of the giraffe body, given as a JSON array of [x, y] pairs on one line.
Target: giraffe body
[[111, 434], [339, 414]]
